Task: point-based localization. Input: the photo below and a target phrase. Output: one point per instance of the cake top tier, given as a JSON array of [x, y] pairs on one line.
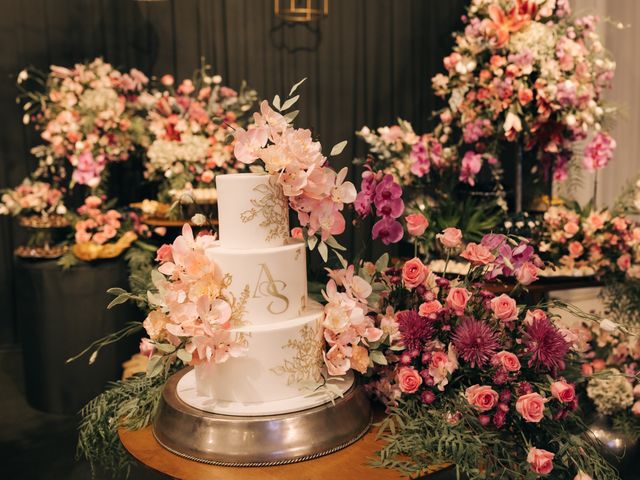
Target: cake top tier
[[252, 211]]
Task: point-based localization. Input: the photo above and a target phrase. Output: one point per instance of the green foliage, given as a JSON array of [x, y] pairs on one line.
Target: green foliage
[[418, 436], [129, 404], [68, 260], [628, 424], [622, 300], [140, 257]]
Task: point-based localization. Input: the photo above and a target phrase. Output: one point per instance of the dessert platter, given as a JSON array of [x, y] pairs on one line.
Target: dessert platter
[[275, 404]]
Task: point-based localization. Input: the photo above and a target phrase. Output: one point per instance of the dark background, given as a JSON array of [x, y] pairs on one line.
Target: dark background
[[367, 63]]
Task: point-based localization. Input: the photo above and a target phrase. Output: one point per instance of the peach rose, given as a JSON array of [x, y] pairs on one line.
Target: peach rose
[[575, 249], [531, 407], [507, 360], [478, 254], [635, 409], [428, 308], [457, 299], [164, 253], [207, 176], [409, 380], [532, 315], [450, 237], [93, 201], [540, 461], [166, 80], [414, 273], [563, 391], [155, 324], [416, 224], [527, 274], [624, 262], [296, 233], [482, 397], [571, 229], [504, 308]]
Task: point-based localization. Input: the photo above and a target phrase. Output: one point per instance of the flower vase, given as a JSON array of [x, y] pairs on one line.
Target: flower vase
[[621, 450]]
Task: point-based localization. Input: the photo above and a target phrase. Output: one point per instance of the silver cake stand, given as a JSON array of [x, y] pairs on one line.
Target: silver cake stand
[[260, 440]]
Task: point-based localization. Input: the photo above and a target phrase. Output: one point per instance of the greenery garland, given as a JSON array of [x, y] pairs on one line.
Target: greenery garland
[[130, 404]]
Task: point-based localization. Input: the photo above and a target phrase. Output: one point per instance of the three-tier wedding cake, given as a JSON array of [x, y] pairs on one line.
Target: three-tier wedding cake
[[281, 328]]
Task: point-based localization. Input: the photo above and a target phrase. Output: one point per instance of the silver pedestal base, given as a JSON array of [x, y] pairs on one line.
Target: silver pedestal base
[[259, 441]]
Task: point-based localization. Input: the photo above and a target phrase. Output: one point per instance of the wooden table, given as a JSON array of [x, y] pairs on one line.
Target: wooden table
[[347, 464]]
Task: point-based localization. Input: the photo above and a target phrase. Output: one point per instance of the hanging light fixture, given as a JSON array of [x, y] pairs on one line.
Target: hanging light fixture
[[301, 10]]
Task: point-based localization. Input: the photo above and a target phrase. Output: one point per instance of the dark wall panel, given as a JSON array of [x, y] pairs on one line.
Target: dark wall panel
[[368, 62]]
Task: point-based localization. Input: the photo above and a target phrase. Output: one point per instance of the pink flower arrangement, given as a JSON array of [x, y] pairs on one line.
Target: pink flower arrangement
[[189, 126], [315, 191], [448, 349], [192, 314], [32, 197], [95, 225], [525, 71], [88, 115]]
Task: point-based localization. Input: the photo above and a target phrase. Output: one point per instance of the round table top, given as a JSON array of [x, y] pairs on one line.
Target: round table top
[[349, 463]]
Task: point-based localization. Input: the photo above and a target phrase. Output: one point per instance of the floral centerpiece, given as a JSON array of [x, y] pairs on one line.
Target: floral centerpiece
[[467, 376], [315, 192], [525, 72], [88, 117], [32, 198], [432, 181], [189, 126]]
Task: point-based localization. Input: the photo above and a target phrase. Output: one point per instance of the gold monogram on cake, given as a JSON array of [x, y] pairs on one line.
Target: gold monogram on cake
[[272, 206], [267, 286], [305, 364]]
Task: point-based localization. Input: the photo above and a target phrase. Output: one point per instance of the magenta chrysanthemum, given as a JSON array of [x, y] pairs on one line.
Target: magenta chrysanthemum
[[415, 330], [545, 344], [475, 342]]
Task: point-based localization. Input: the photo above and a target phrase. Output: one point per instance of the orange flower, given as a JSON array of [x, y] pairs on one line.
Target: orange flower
[[503, 24]]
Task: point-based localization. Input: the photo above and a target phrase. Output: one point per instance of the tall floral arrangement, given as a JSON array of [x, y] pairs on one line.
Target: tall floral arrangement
[[526, 72], [189, 126], [316, 192], [88, 116], [467, 376]]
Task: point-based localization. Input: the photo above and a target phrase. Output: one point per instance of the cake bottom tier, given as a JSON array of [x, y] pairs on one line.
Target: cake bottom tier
[[283, 362]]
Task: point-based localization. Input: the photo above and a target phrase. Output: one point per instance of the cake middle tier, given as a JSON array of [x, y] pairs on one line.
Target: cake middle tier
[[269, 283]]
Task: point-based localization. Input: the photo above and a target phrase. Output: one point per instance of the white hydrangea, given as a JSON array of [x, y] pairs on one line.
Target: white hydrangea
[[163, 154], [610, 392], [537, 37]]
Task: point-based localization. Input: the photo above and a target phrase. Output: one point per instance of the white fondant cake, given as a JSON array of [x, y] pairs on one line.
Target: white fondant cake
[[281, 370]]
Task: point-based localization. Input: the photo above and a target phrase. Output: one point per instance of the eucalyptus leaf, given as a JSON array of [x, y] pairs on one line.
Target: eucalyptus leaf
[[378, 357], [341, 259], [276, 102], [338, 148], [292, 115], [120, 299], [333, 243], [184, 356], [312, 241], [295, 87], [290, 103], [165, 347], [323, 251], [155, 366], [116, 291]]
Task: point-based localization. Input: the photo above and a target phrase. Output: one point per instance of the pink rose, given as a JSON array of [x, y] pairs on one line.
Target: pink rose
[[635, 409], [563, 391], [478, 254], [164, 254], [297, 233], [582, 476], [450, 237], [540, 461], [531, 407], [527, 274], [509, 361], [414, 273], [533, 315], [624, 262], [575, 249], [408, 379], [429, 308], [504, 308], [457, 299], [93, 201], [416, 224], [482, 397]]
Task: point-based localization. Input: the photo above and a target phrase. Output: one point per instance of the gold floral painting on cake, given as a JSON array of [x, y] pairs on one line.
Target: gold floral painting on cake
[[306, 362], [272, 208]]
